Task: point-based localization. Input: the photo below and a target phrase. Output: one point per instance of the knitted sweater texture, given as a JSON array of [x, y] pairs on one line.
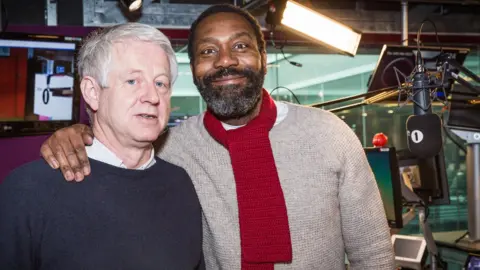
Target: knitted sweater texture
[[333, 202]]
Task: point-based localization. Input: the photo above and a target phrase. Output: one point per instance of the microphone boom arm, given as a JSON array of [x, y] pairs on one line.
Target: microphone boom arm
[[449, 61], [377, 98], [344, 99]]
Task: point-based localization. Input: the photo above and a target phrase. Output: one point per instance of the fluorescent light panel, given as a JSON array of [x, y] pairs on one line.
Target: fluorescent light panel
[[135, 5], [132, 5], [321, 28]]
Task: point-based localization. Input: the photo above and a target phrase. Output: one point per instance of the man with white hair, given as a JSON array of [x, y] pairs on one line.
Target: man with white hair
[[136, 211]]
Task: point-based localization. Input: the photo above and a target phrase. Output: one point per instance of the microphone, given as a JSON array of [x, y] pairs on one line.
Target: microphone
[[424, 129]]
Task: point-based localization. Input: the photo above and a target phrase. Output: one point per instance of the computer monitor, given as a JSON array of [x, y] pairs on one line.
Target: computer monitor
[[400, 61], [427, 177], [38, 83], [383, 162]]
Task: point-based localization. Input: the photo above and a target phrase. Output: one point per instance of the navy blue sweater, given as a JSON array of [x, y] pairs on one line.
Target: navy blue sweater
[[115, 219]]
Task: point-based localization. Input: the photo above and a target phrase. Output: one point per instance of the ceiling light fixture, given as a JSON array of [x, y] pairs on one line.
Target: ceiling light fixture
[[132, 5], [316, 26]]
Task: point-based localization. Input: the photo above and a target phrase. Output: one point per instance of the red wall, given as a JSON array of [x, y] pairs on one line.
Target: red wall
[[13, 84]]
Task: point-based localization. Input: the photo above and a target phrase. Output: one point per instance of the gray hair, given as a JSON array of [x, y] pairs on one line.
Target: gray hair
[[95, 55]]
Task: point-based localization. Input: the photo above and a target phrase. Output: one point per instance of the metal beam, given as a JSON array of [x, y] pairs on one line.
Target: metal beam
[[254, 4], [99, 13], [404, 23], [249, 6], [173, 16], [332, 76]]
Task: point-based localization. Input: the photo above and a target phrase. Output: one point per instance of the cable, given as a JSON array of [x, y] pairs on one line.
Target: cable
[[436, 33], [461, 237], [419, 33], [293, 63], [419, 42], [282, 87], [421, 204]]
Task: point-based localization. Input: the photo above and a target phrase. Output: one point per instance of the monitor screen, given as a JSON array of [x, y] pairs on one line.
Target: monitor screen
[[383, 162], [38, 83], [399, 62]]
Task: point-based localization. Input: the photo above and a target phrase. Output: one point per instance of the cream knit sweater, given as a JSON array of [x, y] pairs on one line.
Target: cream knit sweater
[[333, 202]]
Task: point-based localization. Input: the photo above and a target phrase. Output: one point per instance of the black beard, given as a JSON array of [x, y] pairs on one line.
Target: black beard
[[235, 100]]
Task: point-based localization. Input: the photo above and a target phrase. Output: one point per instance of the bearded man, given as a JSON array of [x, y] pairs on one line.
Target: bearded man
[[281, 186]]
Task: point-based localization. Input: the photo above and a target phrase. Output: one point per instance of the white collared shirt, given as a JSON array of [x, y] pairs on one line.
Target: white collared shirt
[[100, 152], [282, 111]]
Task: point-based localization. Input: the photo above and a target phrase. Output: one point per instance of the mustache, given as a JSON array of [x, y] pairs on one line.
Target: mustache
[[230, 71]]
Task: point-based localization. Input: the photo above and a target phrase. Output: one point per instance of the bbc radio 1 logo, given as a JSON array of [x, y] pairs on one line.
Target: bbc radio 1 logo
[[416, 136]]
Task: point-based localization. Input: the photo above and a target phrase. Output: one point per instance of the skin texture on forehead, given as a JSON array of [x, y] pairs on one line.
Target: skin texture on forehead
[[140, 60]]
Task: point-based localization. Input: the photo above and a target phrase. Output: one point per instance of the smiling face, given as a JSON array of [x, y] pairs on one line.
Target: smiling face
[[228, 67], [136, 104]]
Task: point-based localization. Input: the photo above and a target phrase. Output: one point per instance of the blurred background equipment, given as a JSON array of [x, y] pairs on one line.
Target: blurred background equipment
[[38, 83], [420, 76], [383, 162], [409, 251], [472, 262]]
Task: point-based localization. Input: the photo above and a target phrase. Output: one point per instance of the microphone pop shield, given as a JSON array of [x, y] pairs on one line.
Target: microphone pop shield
[[424, 134]]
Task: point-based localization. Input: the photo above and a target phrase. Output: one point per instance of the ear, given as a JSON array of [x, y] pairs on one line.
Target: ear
[[90, 92], [264, 59]]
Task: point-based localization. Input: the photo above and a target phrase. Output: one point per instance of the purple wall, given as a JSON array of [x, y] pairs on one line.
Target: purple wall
[[17, 151]]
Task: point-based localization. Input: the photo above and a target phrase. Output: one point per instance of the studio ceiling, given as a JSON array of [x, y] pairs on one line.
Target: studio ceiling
[[458, 17]]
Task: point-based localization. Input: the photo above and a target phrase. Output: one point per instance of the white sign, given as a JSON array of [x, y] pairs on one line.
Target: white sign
[[417, 136]]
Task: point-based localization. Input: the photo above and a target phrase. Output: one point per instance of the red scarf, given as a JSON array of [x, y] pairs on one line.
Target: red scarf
[[264, 232]]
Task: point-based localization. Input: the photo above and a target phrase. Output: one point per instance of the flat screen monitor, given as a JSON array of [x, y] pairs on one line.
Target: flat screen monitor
[[38, 83], [427, 177], [383, 162], [400, 61]]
